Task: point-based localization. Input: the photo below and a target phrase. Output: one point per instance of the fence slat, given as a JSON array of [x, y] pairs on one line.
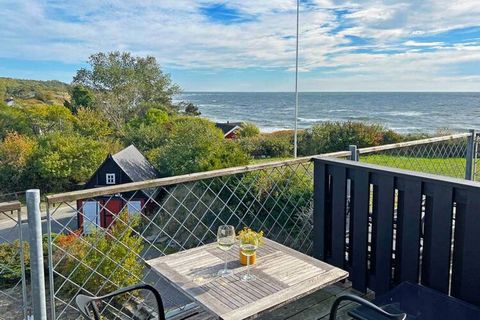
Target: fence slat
[[383, 232], [361, 197], [466, 255], [319, 209], [339, 187], [437, 239], [408, 231]]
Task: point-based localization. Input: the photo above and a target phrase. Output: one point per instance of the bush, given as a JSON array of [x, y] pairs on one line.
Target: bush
[[10, 265], [113, 254], [268, 145], [195, 145], [64, 160], [337, 136], [248, 130]]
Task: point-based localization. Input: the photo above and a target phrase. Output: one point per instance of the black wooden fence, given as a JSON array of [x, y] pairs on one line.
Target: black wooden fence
[[387, 225]]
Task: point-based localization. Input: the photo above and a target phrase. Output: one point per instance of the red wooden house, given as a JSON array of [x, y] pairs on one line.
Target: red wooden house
[[128, 165], [229, 129]]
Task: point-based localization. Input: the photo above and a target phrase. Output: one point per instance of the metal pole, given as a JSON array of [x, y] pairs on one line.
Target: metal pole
[[36, 254], [295, 138], [471, 150], [353, 152]]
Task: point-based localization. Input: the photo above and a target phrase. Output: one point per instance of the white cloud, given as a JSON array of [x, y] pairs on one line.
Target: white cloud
[[179, 35]]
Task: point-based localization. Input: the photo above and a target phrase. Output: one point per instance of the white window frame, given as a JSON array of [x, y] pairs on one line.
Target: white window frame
[[110, 178]]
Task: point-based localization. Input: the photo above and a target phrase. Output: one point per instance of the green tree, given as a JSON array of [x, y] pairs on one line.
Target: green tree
[[82, 97], [122, 83], [92, 123], [44, 119], [189, 108], [148, 132], [64, 160], [16, 151], [195, 145]]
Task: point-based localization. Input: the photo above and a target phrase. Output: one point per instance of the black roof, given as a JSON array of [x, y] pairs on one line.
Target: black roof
[[227, 127], [134, 164]]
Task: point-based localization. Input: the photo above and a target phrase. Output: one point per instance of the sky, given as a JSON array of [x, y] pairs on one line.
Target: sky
[[249, 45]]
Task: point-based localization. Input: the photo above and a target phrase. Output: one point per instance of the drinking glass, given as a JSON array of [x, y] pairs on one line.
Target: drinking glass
[[248, 248], [225, 241]]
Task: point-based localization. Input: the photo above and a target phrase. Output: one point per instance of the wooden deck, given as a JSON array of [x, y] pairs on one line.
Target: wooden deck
[[315, 306]]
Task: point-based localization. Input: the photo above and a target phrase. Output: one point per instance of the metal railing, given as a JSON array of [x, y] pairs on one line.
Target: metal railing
[[453, 155], [100, 239], [14, 261], [174, 214]]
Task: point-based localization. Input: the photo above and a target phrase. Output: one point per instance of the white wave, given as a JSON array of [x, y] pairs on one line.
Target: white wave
[[405, 113]]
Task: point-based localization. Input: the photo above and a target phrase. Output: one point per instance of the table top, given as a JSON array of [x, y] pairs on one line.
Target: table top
[[282, 275]]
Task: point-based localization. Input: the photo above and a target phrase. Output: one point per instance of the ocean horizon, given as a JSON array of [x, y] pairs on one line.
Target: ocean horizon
[[404, 112]]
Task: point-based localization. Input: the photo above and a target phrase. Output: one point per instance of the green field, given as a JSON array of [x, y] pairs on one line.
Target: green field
[[452, 167]]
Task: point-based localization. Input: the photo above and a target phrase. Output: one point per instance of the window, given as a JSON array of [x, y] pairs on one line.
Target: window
[[110, 178]]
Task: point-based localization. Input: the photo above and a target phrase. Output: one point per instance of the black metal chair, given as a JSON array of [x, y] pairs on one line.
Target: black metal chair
[[84, 302], [409, 301]]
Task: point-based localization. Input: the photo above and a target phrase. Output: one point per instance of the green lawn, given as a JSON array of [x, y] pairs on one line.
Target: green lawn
[[453, 167]]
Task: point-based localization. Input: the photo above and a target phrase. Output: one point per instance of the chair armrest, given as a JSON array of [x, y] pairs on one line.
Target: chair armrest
[[83, 299], [365, 303]]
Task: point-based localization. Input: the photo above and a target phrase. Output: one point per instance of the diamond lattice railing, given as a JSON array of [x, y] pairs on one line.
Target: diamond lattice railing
[[447, 158], [167, 219], [13, 255]]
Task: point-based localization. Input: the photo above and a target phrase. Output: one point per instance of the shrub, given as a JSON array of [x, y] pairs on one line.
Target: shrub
[[248, 130], [10, 265], [113, 254], [268, 145], [337, 136], [195, 145]]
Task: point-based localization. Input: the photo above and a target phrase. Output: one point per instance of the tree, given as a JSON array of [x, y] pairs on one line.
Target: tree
[[248, 130], [122, 83], [82, 97], [92, 123], [195, 145], [16, 151], [63, 160], [189, 108], [44, 119], [148, 132]]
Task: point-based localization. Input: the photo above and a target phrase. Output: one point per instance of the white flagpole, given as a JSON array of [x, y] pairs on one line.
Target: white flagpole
[[295, 138]]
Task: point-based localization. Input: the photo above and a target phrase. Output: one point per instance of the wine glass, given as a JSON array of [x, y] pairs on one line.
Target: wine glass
[[248, 248], [225, 241]]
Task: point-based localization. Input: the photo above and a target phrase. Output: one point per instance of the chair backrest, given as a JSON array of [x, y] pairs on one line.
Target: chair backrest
[[84, 302]]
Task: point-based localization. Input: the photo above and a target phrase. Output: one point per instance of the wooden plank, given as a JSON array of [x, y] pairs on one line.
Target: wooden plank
[[408, 231], [10, 206], [339, 189], [283, 275], [383, 233], [359, 237], [466, 253], [320, 189], [437, 239]]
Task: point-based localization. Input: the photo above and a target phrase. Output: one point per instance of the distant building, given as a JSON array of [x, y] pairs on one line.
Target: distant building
[[9, 102], [128, 165], [229, 129]]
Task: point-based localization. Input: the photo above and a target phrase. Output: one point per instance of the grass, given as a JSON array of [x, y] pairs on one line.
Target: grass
[[452, 167], [266, 160]]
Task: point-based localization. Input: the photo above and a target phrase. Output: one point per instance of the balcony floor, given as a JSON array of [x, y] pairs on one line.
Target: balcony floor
[[314, 306]]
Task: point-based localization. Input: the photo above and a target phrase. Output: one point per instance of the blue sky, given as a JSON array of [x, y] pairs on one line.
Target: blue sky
[[249, 45]]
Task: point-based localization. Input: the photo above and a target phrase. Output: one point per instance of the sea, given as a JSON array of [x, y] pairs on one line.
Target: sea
[[404, 112]]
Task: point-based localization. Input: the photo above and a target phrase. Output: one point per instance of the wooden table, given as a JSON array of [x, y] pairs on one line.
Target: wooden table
[[283, 275]]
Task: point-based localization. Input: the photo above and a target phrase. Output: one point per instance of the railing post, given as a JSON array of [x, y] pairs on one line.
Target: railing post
[[353, 152], [36, 254], [471, 150]]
